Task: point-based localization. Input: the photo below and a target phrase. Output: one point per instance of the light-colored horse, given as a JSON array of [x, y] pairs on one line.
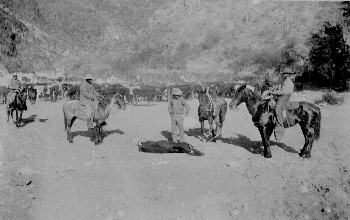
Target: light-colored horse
[[73, 109]]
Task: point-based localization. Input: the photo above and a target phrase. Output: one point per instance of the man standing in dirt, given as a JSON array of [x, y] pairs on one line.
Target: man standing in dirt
[[14, 86], [283, 95], [177, 107], [89, 99]]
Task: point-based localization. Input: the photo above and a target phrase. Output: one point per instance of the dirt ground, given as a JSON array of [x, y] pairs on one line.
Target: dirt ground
[[43, 177]]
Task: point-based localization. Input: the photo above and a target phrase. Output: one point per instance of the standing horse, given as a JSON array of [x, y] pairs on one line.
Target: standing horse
[[3, 93], [18, 105], [306, 114], [73, 110], [212, 108]]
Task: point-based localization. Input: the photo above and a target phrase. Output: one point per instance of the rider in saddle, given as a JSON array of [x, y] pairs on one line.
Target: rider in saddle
[[14, 86], [283, 94], [177, 107], [89, 99]]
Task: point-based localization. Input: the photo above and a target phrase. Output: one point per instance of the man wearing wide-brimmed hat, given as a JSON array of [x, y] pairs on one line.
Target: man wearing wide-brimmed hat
[[283, 95], [14, 85], [178, 106], [89, 99]]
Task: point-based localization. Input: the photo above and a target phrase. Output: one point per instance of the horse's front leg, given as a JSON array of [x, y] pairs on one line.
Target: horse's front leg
[[8, 115], [211, 130], [98, 139], [202, 130], [20, 118], [17, 119], [264, 131]]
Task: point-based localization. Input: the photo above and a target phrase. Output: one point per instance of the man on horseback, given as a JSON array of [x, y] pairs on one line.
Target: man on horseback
[[176, 109], [89, 99], [283, 94], [14, 86]]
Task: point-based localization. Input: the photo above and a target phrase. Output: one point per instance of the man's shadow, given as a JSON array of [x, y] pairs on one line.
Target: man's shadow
[[92, 134], [196, 132], [255, 147]]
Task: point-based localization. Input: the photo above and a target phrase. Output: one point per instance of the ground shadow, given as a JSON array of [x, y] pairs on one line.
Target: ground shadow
[[163, 146], [196, 132], [255, 147], [92, 134], [28, 120], [147, 105]]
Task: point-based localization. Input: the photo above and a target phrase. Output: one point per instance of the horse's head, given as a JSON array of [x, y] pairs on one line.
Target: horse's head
[[205, 105], [119, 100], [239, 96]]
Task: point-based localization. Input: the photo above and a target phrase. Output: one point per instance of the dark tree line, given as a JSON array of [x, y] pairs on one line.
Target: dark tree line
[[329, 59]]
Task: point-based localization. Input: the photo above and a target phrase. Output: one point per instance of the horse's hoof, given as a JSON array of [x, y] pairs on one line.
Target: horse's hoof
[[303, 155], [267, 155]]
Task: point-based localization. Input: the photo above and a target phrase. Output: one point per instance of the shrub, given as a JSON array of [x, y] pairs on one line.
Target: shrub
[[329, 60], [331, 98]]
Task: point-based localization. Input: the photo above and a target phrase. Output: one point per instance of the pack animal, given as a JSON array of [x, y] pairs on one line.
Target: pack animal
[[213, 109], [73, 110]]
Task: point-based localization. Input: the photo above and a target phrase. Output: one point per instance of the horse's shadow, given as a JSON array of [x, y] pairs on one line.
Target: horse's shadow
[[255, 147], [92, 134], [28, 120], [31, 119]]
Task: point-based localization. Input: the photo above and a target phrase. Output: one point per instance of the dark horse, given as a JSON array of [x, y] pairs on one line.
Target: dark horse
[[307, 115], [212, 108], [18, 105], [73, 110]]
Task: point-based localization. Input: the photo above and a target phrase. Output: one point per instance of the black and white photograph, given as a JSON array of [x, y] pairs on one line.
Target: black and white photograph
[[174, 110]]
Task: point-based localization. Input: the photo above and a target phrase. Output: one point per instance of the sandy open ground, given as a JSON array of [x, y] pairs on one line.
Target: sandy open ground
[[43, 177]]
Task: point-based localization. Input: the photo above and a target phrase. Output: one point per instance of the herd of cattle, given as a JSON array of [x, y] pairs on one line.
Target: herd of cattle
[[54, 92]]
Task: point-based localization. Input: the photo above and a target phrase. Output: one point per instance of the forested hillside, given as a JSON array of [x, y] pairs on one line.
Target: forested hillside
[[152, 40]]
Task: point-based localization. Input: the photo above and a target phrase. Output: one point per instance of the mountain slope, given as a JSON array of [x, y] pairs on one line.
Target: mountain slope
[[145, 38]]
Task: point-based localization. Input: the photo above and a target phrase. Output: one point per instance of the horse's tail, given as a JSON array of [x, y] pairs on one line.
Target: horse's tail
[[317, 124], [65, 119]]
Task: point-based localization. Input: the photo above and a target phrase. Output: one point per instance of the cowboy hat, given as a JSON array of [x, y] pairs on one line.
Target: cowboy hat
[[15, 74], [176, 91], [287, 70], [88, 76]]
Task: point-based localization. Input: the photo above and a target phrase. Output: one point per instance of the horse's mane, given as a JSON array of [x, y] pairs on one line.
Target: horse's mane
[[244, 87]]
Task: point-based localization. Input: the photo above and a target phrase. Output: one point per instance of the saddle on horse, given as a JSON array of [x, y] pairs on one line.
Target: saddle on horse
[[288, 115]]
